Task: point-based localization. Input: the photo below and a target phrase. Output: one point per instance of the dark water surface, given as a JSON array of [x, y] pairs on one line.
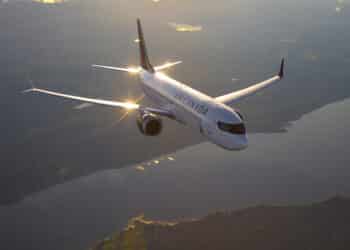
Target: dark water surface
[[309, 163]]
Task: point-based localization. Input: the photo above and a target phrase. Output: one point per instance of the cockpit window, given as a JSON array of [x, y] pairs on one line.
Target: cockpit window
[[238, 129]]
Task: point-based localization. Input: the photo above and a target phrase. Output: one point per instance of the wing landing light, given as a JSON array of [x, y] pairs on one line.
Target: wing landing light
[[124, 105]]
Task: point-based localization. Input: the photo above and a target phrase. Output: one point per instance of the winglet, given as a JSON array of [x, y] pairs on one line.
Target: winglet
[[281, 73], [31, 89], [28, 90]]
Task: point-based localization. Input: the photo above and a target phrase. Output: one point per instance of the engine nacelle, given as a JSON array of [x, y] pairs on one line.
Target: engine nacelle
[[149, 124], [239, 114]]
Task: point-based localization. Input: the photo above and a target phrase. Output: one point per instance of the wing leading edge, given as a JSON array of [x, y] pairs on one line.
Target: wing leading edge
[[232, 98], [108, 103]]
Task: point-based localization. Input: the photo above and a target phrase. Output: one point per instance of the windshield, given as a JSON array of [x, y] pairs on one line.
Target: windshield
[[232, 128]]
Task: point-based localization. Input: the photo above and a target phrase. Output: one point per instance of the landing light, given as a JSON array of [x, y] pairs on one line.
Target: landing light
[[131, 104], [134, 70]]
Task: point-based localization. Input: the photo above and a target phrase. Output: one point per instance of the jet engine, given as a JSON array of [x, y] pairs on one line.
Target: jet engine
[[149, 124]]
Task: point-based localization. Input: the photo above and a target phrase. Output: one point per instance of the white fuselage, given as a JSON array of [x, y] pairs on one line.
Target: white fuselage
[[195, 109], [212, 117]]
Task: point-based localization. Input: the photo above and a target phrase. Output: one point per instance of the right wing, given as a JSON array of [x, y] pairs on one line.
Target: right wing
[[232, 98], [124, 105]]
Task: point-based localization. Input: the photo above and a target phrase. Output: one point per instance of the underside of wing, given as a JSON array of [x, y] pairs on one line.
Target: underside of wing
[[232, 98], [108, 103], [125, 105]]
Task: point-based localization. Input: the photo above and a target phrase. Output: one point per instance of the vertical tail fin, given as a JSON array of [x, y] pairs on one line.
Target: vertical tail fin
[[144, 60]]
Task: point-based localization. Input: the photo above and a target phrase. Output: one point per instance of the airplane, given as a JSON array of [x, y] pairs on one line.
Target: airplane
[[212, 117]]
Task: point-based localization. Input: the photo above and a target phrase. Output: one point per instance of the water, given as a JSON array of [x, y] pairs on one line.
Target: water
[[307, 164]]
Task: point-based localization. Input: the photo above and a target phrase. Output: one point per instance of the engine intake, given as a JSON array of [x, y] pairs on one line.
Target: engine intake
[[149, 124], [239, 114]]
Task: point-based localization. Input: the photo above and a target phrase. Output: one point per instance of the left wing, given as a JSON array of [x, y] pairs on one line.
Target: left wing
[[130, 69], [236, 96], [124, 105]]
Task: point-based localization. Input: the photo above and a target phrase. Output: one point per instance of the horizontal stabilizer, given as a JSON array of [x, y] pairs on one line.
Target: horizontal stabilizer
[[134, 70], [130, 69], [166, 65]]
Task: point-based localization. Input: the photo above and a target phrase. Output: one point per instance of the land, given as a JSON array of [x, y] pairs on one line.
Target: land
[[323, 225]]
